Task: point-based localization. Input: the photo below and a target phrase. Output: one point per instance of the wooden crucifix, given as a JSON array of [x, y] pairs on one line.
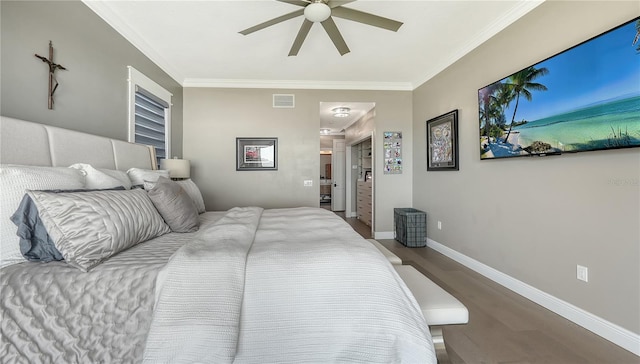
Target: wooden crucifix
[[53, 83]]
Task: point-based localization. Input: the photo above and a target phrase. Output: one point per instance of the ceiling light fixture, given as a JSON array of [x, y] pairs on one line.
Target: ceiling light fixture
[[325, 131], [341, 112], [317, 11]]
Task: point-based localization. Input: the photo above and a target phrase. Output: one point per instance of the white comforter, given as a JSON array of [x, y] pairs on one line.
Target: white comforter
[[284, 286]]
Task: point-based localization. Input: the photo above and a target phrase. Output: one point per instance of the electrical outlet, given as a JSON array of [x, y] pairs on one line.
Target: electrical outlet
[[308, 183], [439, 225], [582, 273]]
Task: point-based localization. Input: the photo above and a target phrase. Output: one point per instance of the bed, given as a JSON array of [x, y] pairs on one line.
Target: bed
[[248, 286]]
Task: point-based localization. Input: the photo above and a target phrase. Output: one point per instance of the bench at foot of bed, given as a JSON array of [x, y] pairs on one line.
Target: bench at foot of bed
[[438, 306], [393, 259]]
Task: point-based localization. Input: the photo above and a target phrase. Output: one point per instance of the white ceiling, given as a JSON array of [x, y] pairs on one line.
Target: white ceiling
[[198, 44], [337, 125]]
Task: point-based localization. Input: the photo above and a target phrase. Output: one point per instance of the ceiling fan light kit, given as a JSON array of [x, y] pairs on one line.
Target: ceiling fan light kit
[[323, 11], [317, 12]]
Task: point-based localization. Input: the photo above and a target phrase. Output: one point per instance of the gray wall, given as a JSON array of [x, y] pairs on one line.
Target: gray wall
[[326, 141], [536, 218], [215, 117], [92, 96]]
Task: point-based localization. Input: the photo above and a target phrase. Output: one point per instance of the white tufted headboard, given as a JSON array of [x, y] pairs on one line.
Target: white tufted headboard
[[28, 143]]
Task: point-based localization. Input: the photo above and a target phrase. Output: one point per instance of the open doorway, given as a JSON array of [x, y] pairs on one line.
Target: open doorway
[[335, 119], [325, 175]]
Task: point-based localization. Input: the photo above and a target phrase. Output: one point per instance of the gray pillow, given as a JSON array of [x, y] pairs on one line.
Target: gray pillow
[[35, 243], [89, 227], [175, 206]]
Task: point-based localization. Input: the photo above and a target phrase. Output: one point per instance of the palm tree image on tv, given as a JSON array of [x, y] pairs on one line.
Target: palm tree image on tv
[[585, 98], [637, 38]]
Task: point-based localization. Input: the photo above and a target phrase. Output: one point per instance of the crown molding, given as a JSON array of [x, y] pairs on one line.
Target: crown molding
[[104, 11], [518, 11], [298, 84]]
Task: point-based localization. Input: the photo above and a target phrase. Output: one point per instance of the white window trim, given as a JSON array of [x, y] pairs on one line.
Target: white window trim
[[137, 78]]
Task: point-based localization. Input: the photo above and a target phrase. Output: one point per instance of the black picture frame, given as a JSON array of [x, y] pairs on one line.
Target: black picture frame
[[256, 154], [442, 142]]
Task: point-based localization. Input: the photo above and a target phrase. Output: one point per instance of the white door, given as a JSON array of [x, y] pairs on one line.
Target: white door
[[338, 189]]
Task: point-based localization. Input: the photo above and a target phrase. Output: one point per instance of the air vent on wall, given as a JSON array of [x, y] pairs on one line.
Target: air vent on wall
[[284, 101]]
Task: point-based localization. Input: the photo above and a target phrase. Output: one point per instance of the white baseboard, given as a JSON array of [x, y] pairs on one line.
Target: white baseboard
[[383, 235], [599, 326]]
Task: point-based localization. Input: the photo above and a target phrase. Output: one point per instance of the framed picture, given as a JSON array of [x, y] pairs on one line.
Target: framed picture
[[442, 142], [256, 154], [583, 99]]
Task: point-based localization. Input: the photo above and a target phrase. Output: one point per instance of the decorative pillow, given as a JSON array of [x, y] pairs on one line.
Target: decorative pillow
[[175, 206], [14, 181], [194, 192], [35, 243], [139, 176], [89, 227], [95, 179]]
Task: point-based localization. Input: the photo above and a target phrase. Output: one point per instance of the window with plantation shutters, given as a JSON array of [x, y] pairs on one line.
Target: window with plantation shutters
[[149, 114], [150, 128]]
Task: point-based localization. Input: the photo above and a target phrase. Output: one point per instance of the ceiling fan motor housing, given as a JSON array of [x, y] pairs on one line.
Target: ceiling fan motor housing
[[317, 11], [323, 11]]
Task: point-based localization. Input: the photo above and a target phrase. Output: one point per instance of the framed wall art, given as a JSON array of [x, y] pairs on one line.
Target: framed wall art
[[442, 142], [256, 154], [392, 152]]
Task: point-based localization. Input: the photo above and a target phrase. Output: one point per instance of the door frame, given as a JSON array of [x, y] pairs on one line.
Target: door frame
[[348, 176], [334, 175]]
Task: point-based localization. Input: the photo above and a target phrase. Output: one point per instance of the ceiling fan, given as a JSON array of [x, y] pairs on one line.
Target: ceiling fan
[[322, 11]]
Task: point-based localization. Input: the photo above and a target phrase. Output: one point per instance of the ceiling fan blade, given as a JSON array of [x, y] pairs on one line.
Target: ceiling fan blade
[[366, 18], [335, 3], [333, 32], [295, 2], [273, 21], [302, 35]]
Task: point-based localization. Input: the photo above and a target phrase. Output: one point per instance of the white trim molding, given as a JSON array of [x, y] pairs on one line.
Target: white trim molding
[[384, 235], [137, 78], [298, 84], [599, 326], [105, 11]]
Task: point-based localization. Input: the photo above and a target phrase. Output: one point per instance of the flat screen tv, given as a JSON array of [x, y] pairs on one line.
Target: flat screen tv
[[585, 98]]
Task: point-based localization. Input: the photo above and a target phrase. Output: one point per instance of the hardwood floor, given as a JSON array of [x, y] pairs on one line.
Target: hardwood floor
[[503, 327]]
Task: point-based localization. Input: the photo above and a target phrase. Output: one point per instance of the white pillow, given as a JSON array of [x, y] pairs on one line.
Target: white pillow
[[14, 181], [121, 176], [95, 179], [139, 176], [194, 192], [89, 227]]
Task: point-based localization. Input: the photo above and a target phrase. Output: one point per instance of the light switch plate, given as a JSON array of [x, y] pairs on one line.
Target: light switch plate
[[582, 273]]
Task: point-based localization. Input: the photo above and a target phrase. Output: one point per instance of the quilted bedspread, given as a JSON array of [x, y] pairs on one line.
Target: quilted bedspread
[[251, 286], [284, 286], [55, 313]]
